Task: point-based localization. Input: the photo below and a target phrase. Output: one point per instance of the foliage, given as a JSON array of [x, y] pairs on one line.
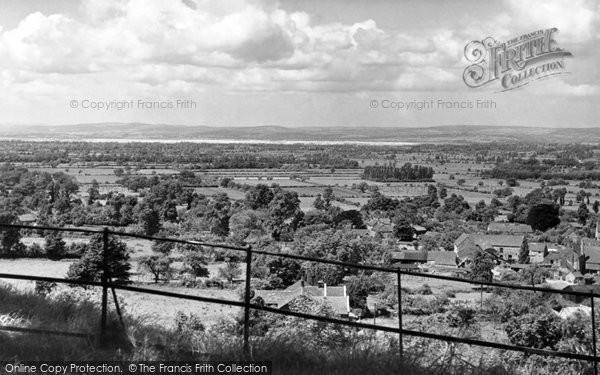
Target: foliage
[[407, 172], [524, 252], [230, 271], [188, 323], [91, 265], [481, 267], [158, 265], [55, 246], [196, 263], [535, 330], [9, 237], [403, 230], [543, 216]]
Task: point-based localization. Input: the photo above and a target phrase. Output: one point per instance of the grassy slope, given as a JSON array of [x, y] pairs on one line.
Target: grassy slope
[[147, 340]]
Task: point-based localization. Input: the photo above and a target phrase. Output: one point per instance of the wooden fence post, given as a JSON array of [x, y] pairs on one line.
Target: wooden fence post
[[247, 300], [400, 341], [104, 280], [594, 334]]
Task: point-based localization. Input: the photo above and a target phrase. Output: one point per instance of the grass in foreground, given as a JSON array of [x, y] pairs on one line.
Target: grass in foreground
[[291, 351]]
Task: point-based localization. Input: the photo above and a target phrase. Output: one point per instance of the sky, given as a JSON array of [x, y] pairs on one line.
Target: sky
[[296, 63]]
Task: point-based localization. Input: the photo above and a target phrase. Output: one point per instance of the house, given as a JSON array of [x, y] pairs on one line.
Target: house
[[590, 250], [380, 227], [574, 277], [419, 230], [565, 258], [506, 246], [537, 251], [336, 296], [509, 228]]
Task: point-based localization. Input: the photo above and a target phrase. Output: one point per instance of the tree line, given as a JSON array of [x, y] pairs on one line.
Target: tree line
[[407, 172]]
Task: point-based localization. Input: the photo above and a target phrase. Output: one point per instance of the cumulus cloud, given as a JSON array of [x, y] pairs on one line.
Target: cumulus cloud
[[238, 44], [254, 45], [577, 20]]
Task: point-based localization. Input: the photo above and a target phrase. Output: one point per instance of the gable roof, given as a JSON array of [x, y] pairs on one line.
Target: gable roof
[[442, 258], [491, 240], [410, 255], [341, 305]]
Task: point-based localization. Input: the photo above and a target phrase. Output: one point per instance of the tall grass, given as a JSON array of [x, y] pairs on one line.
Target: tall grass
[[290, 351]]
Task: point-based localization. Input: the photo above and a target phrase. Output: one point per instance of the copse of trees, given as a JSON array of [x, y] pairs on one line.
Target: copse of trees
[[389, 173]]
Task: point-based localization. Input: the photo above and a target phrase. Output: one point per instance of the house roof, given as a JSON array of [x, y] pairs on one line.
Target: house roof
[[27, 218], [467, 248], [412, 255], [509, 228], [341, 305], [593, 252], [442, 258], [537, 246], [468, 244], [406, 266]]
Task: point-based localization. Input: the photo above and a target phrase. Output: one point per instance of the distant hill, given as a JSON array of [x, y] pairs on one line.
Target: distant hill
[[438, 134]]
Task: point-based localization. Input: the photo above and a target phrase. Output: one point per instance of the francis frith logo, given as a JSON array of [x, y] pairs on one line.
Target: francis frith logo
[[514, 63]]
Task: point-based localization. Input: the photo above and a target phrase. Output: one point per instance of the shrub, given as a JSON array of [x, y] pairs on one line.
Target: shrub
[[460, 315], [213, 282], [535, 330], [424, 289], [185, 323], [44, 287]]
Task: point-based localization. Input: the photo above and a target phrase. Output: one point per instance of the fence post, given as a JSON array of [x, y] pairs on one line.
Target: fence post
[[104, 279], [400, 341], [594, 334], [247, 300]]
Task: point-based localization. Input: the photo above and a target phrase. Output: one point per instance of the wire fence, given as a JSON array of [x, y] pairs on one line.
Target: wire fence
[[106, 283]]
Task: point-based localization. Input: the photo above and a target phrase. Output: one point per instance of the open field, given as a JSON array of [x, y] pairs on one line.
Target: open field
[[138, 304]]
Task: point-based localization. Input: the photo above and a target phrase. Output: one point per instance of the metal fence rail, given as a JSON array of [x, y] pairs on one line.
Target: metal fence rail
[[105, 283]]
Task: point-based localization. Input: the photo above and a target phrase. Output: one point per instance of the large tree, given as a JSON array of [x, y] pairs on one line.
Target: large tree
[[543, 216], [9, 237], [524, 252], [259, 196], [55, 246], [158, 265], [92, 264], [481, 267], [403, 230]]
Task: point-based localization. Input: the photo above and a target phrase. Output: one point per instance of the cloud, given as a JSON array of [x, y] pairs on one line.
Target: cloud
[[251, 45], [577, 20]]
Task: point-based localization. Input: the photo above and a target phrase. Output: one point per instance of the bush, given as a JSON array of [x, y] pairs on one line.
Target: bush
[[213, 282], [424, 289], [44, 287], [460, 315], [34, 251], [535, 330], [424, 306], [188, 281], [188, 323]]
